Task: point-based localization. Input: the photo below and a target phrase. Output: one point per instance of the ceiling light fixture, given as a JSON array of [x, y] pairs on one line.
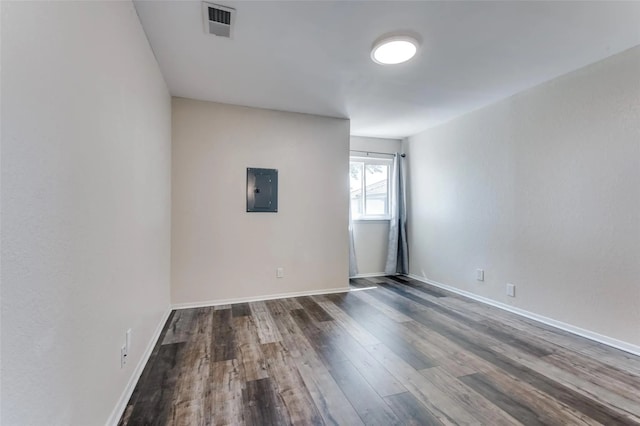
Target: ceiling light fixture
[[394, 50]]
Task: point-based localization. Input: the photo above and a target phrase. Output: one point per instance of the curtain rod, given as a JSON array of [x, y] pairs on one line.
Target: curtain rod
[[374, 152]]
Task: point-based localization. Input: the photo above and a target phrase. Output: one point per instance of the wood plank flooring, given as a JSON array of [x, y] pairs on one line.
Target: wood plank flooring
[[402, 353]]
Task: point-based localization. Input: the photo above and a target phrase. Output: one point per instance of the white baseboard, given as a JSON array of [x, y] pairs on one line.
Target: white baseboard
[[257, 298], [369, 275], [600, 338], [117, 412]]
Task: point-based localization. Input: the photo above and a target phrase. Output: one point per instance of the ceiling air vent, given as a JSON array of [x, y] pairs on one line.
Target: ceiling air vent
[[218, 19]]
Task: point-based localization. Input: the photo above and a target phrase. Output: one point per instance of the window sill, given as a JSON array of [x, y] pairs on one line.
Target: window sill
[[371, 220]]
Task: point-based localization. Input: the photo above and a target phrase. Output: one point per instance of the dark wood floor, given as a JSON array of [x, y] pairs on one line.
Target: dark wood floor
[[402, 353]]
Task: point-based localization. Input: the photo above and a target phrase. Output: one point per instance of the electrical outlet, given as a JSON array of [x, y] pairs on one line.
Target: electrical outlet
[[511, 290], [279, 272], [123, 356], [480, 274], [124, 350]]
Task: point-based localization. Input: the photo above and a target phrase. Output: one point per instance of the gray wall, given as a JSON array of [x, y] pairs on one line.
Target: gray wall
[[221, 252], [540, 190], [85, 207]]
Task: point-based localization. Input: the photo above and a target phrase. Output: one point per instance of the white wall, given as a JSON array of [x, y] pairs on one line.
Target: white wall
[[219, 251], [371, 236], [541, 190], [85, 207]]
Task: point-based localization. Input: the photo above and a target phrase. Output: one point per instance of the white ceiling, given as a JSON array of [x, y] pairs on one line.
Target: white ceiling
[[314, 56]]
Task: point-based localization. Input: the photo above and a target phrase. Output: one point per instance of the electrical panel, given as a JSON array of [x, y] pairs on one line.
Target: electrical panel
[[262, 190]]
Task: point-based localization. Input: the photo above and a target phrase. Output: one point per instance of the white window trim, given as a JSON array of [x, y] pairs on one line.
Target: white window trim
[[375, 160], [372, 219]]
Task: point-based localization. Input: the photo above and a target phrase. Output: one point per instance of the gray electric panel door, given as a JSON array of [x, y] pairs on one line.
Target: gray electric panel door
[[262, 190]]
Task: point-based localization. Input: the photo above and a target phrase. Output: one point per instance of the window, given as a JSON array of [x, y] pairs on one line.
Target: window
[[369, 185]]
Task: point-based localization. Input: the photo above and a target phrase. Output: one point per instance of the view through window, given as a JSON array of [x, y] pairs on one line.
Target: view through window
[[369, 186]]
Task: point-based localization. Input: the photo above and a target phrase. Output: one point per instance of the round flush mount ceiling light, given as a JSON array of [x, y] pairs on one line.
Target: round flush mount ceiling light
[[394, 50]]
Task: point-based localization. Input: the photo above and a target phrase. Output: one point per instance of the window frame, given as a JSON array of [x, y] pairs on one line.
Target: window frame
[[370, 160]]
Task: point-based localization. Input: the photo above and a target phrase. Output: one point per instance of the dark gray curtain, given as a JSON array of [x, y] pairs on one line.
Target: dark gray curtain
[[397, 249], [353, 263]]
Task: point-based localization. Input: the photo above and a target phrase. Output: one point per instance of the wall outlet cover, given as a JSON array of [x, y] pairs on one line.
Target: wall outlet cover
[[480, 274], [511, 290], [123, 356]]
